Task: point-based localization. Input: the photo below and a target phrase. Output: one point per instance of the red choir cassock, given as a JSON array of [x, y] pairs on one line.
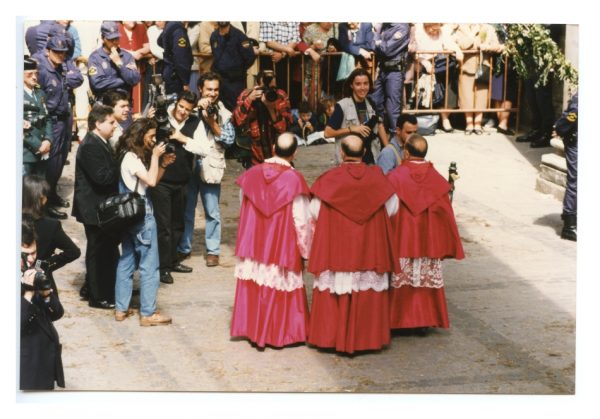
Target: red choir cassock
[[274, 234], [351, 258], [425, 233]]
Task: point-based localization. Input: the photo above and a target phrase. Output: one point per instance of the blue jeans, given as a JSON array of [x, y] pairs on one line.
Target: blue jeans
[[139, 250], [210, 195]]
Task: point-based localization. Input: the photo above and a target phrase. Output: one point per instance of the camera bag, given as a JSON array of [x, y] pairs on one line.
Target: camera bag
[[120, 211]]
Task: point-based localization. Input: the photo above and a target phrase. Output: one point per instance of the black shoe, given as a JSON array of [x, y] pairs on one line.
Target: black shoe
[[528, 137], [57, 201], [101, 304], [166, 278], [181, 268], [84, 292], [542, 141], [569, 231], [54, 213], [183, 256], [507, 131]]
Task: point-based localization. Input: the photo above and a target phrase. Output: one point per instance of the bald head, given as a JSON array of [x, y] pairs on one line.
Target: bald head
[[416, 146], [353, 148], [286, 145]]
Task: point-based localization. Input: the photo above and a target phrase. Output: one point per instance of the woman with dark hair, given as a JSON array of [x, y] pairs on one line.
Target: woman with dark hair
[[141, 167], [50, 235], [355, 114]]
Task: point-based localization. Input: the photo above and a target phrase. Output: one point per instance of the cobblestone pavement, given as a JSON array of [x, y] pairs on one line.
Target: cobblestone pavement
[[511, 303]]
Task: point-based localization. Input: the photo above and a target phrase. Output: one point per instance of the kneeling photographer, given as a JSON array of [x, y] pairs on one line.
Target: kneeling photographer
[[216, 133], [183, 135], [40, 354]]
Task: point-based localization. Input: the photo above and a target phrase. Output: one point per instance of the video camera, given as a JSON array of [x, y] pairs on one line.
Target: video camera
[[160, 101], [41, 282], [31, 114]]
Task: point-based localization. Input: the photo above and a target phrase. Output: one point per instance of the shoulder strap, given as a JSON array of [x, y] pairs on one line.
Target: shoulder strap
[[398, 157]]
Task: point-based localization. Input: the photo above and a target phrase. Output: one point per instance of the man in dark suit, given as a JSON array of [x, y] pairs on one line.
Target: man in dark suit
[[96, 178], [40, 351]]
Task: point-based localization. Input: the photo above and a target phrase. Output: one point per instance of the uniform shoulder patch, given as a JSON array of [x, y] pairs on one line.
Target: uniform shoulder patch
[[181, 42], [92, 70], [572, 117]]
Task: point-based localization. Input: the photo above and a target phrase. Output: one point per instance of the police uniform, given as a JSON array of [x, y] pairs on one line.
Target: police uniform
[[57, 83], [567, 128], [34, 111], [390, 43], [232, 56], [177, 57], [104, 74]]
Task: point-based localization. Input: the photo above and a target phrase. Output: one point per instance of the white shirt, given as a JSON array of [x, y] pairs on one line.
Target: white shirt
[[131, 165], [199, 143]]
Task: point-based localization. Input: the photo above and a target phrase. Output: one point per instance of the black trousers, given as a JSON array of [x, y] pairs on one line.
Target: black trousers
[[168, 200], [101, 259], [539, 100]]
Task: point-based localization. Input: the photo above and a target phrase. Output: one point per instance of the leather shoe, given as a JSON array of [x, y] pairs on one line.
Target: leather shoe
[[183, 256], [101, 304], [507, 131], [54, 213], [166, 278], [181, 268], [60, 202], [212, 260], [542, 141], [528, 137], [84, 292]]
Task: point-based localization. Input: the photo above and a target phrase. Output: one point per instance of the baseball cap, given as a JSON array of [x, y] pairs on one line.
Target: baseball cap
[[110, 30]]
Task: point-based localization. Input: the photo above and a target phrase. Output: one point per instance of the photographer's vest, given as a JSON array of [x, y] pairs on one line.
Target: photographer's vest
[[180, 171], [213, 164], [350, 119]]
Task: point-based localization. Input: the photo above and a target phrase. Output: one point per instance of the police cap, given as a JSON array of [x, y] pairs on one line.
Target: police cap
[[110, 30], [58, 43]]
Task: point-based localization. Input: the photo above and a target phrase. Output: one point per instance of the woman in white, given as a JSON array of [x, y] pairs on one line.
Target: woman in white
[[143, 164]]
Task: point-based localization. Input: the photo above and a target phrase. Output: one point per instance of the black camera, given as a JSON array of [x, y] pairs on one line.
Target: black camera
[[41, 282], [31, 114], [212, 109], [160, 101], [169, 148], [270, 92]]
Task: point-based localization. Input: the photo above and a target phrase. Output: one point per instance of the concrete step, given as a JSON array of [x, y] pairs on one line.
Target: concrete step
[[553, 175], [547, 187]]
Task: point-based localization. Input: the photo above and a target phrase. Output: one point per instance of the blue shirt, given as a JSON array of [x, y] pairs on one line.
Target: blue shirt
[[57, 82], [104, 75], [394, 39], [232, 53], [387, 159]]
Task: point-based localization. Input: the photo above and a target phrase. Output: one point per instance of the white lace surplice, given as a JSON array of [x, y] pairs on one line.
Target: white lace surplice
[[419, 272]]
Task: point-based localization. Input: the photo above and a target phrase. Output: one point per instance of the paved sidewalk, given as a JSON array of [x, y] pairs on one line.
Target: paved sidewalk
[[511, 302]]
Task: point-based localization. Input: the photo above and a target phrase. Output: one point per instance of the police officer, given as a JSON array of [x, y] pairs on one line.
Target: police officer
[[233, 55], [567, 128], [177, 57], [58, 77], [390, 43], [37, 135], [110, 67]]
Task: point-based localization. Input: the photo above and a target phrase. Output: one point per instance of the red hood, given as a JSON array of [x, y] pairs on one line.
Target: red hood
[[270, 186], [354, 189]]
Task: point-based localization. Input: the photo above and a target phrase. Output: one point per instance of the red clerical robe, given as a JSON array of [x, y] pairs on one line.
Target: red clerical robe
[[425, 232], [274, 234], [351, 258]]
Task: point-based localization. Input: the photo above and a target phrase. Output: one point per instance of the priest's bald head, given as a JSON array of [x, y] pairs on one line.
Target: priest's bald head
[[415, 147], [285, 146], [353, 148]]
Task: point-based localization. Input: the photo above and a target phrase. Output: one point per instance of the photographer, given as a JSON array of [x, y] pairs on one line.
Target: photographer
[[37, 129], [216, 131], [40, 351], [265, 112], [168, 195], [49, 232]]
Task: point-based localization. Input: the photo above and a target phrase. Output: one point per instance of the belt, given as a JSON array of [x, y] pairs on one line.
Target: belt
[[59, 117]]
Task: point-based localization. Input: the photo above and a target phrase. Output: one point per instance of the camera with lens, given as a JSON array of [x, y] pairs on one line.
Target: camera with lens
[[41, 282], [169, 148], [160, 101], [270, 92], [212, 109], [31, 114]]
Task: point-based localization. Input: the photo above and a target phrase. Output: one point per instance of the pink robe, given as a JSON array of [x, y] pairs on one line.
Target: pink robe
[[274, 234]]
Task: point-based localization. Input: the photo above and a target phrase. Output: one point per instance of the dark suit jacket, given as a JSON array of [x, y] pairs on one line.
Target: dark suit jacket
[[50, 236], [41, 362], [96, 178]]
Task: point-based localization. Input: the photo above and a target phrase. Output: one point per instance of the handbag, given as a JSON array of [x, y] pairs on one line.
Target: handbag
[[482, 75], [118, 212]]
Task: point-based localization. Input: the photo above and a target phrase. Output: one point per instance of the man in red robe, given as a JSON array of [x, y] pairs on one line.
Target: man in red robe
[[274, 235], [425, 232], [351, 256]]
